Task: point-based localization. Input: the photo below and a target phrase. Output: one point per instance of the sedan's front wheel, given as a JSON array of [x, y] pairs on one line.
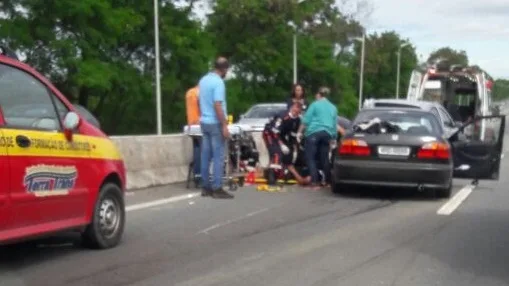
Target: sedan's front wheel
[[107, 226]]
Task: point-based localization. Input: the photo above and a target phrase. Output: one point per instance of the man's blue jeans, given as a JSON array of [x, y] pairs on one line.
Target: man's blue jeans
[[196, 156], [317, 149], [212, 151]]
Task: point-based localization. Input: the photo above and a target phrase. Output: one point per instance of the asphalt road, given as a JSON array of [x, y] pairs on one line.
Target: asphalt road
[[297, 237]]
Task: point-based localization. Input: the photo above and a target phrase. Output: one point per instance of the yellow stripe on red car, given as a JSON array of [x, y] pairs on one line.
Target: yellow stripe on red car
[[54, 144], [103, 148]]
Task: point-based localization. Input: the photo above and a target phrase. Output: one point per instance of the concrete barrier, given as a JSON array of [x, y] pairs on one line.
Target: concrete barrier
[[157, 160]]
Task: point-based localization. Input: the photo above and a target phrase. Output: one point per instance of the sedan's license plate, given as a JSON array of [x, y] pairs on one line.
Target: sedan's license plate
[[393, 151]]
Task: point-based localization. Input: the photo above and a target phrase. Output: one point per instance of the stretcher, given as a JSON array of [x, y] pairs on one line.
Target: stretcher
[[235, 129], [236, 160], [265, 181]]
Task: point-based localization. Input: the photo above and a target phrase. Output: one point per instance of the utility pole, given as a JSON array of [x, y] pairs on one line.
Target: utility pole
[[295, 27], [399, 68], [158, 69], [361, 76], [295, 57]]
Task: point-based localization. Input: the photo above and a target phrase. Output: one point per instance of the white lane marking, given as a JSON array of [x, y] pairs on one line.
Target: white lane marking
[[160, 202], [230, 221], [449, 207]]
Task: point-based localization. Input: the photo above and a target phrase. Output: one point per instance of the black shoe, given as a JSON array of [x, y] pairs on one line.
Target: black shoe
[[206, 192], [221, 194], [197, 183]]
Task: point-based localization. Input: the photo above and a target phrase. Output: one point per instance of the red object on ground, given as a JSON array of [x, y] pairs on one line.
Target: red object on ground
[[250, 178]]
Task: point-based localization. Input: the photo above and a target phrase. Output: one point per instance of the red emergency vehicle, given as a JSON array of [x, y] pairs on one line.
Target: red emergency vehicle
[[58, 171]]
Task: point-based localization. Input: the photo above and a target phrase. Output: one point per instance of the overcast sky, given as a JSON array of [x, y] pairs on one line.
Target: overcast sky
[[480, 27]]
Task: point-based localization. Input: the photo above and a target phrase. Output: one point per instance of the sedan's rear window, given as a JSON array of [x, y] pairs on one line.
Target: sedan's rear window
[[408, 122]]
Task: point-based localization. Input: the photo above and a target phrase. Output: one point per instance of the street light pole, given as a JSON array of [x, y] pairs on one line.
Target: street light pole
[[361, 77], [158, 69], [295, 57], [295, 47], [399, 68], [397, 74]]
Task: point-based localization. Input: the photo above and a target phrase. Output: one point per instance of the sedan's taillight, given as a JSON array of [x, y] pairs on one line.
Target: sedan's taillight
[[434, 150], [354, 147]]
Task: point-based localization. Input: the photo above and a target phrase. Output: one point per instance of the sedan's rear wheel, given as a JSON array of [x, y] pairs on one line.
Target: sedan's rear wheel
[[444, 193], [337, 188]]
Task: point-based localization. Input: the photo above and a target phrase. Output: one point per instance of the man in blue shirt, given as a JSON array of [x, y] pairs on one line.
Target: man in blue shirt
[[320, 124], [214, 127]]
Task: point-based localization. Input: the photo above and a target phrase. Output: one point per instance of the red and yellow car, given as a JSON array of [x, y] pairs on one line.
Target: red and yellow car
[[58, 171]]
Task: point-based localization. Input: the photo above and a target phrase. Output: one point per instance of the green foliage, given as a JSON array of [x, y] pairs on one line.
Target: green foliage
[[257, 38], [380, 67], [501, 89], [100, 54], [454, 57]]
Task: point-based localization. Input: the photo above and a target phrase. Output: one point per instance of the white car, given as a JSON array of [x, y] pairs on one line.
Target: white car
[[260, 114]]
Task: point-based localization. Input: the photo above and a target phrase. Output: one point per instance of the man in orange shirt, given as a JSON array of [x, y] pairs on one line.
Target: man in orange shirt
[[193, 106], [193, 118]]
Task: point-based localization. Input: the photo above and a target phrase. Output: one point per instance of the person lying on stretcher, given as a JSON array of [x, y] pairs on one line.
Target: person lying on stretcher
[[280, 137]]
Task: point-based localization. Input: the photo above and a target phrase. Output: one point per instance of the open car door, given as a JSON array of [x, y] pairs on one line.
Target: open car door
[[477, 148]]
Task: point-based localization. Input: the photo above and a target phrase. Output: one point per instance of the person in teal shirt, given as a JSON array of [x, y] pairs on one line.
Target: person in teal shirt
[[319, 123]]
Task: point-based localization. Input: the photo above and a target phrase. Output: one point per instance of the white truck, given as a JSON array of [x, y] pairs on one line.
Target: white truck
[[465, 92]]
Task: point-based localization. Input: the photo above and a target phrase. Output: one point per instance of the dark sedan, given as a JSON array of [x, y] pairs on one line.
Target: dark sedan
[[405, 147], [390, 147]]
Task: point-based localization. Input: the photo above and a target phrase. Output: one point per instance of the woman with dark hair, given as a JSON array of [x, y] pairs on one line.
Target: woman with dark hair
[[297, 96]]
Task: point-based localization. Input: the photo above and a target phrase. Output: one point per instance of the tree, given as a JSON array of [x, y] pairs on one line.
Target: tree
[[501, 89], [257, 38], [380, 70], [452, 56], [100, 54]]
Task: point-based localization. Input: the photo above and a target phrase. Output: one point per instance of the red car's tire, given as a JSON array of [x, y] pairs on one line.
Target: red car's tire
[[108, 221]]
